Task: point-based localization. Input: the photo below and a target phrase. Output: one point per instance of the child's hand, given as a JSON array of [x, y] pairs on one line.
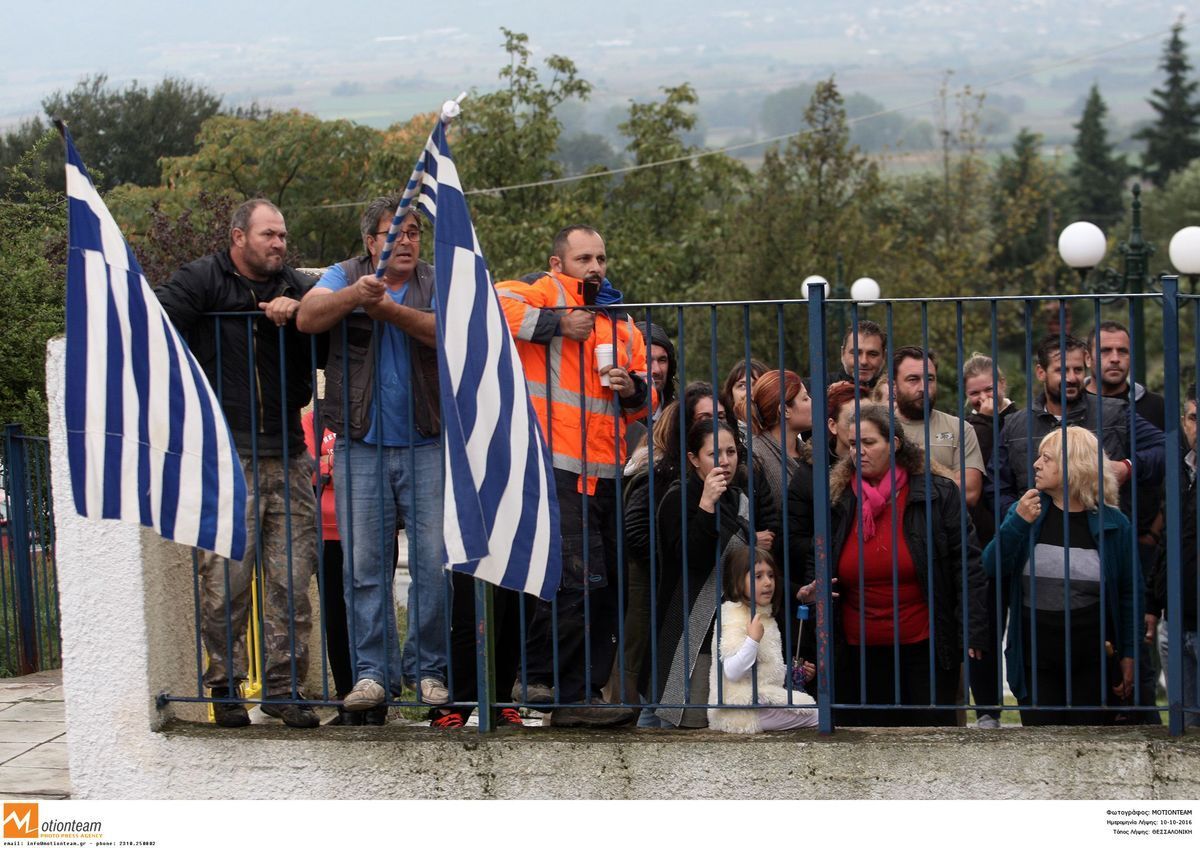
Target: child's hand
[[808, 592], [755, 628]]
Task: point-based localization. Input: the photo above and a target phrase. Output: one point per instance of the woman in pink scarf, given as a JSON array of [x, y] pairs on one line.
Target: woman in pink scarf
[[890, 561]]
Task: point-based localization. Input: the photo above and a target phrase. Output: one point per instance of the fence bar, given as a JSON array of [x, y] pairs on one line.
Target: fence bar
[[816, 363], [18, 534], [485, 654], [1175, 659]]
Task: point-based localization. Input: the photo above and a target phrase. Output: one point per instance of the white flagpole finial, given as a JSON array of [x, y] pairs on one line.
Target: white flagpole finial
[[451, 108]]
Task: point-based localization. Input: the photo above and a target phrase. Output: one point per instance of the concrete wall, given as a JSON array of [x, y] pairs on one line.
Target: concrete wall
[[128, 635]]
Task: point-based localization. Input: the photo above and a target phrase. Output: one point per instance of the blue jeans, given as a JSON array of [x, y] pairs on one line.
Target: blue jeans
[[1191, 653], [373, 486]]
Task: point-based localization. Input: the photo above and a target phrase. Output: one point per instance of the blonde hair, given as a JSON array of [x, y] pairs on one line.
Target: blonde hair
[[981, 364], [1082, 472]]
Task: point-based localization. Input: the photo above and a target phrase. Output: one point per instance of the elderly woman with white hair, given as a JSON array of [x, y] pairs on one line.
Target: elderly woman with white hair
[[1068, 553]]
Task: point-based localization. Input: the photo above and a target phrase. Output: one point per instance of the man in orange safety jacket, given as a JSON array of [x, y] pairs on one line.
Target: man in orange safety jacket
[[583, 402]]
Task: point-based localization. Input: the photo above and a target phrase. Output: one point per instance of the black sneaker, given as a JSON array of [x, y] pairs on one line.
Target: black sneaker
[[293, 715], [230, 715], [346, 718], [597, 715], [376, 716]]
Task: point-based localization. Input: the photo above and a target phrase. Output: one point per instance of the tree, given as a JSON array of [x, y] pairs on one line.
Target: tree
[[1025, 198], [1173, 140], [583, 151], [667, 223], [1097, 176], [297, 161], [32, 286], [121, 134], [814, 200], [509, 137]]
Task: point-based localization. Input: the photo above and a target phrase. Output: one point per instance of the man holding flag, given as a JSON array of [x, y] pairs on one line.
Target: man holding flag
[[388, 459], [260, 368], [586, 376]]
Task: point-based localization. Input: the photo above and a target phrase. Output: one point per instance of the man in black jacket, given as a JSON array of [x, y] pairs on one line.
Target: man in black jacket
[[260, 368]]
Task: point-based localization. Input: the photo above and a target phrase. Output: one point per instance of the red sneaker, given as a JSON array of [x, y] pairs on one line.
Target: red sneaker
[[509, 717], [447, 721]]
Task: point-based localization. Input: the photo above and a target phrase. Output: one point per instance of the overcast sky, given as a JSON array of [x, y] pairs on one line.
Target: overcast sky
[[379, 62]]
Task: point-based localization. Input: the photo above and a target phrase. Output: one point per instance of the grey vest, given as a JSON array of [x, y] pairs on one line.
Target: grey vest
[[350, 368]]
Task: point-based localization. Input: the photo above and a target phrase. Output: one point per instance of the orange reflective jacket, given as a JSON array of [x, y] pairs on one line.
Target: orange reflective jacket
[[583, 421]]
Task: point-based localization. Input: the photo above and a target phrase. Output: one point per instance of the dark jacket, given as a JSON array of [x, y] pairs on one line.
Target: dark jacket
[[352, 361], [250, 397], [705, 539], [946, 558], [1024, 429], [983, 514], [1118, 566]]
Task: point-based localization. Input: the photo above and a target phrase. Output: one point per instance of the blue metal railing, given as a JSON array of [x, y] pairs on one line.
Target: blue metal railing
[[890, 677], [28, 585]]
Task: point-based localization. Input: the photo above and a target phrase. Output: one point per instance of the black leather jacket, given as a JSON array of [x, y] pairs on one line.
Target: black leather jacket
[[281, 376]]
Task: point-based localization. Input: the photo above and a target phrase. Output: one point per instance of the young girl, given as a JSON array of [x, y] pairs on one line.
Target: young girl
[[749, 641]]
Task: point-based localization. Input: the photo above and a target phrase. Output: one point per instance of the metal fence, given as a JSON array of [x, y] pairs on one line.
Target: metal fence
[[29, 624], [640, 624]]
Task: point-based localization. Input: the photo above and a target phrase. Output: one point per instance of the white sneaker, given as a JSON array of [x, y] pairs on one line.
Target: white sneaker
[[987, 722], [365, 695], [433, 691]]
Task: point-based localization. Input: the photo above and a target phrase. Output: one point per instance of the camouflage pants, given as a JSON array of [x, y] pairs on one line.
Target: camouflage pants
[[286, 626]]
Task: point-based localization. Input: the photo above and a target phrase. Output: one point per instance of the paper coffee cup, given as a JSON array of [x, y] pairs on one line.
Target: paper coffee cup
[[604, 361]]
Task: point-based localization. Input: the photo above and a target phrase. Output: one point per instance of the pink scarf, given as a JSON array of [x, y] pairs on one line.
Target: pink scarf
[[874, 498]]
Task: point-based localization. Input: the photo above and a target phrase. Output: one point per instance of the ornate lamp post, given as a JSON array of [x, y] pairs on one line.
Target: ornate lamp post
[[1082, 246]]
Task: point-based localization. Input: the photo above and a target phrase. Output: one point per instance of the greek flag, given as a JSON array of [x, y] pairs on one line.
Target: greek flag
[[501, 512], [146, 439]]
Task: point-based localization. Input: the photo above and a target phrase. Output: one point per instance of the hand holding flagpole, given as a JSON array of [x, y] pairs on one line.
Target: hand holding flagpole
[[451, 109]]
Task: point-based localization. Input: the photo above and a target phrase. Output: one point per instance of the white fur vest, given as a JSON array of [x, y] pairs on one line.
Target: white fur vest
[[735, 618]]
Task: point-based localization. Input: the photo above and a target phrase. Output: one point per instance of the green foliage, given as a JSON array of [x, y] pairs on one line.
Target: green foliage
[[1027, 195], [32, 285], [510, 137], [667, 224], [298, 162], [1173, 140], [813, 201], [120, 134], [1097, 176]]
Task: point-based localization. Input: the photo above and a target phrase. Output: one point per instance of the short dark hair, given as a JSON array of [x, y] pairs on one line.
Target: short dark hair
[[738, 566], [376, 209], [1106, 327], [241, 215], [1051, 345], [911, 352], [564, 235], [866, 327]]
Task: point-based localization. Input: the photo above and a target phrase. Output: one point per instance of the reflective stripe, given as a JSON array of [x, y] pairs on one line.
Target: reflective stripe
[[512, 294], [529, 323], [606, 470], [596, 406]]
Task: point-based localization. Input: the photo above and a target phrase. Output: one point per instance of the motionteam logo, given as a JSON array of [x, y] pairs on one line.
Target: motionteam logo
[[20, 821]]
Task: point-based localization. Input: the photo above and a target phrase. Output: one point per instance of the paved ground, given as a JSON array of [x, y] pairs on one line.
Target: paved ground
[[33, 742]]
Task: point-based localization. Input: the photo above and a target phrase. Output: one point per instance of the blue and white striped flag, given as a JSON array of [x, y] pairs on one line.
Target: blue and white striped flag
[[501, 511], [146, 439]]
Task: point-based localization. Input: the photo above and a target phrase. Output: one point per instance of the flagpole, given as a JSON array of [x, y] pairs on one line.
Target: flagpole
[[451, 109]]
